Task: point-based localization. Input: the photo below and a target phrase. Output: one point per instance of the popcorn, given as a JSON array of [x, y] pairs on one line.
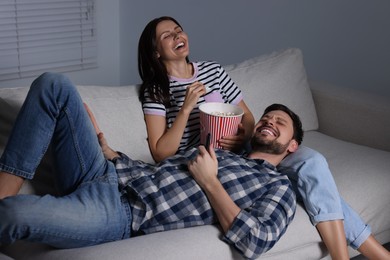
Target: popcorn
[[216, 113]]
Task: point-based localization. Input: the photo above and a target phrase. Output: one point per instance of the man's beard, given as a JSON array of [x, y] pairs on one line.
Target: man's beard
[[270, 147]]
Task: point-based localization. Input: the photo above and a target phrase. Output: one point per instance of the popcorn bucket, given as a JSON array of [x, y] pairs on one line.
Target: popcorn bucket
[[218, 120]]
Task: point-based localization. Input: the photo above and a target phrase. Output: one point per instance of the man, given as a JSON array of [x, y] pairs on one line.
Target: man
[[107, 196]]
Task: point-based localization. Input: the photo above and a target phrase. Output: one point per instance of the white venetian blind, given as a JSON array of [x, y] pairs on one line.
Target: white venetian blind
[[46, 35]]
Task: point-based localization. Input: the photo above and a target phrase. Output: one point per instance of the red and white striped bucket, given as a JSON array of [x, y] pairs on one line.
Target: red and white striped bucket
[[218, 119]]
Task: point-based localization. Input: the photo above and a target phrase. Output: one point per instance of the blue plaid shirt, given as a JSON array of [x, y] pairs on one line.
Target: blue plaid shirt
[[165, 197]]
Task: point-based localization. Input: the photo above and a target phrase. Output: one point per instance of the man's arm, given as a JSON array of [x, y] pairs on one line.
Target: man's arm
[[108, 152], [204, 169], [255, 229]]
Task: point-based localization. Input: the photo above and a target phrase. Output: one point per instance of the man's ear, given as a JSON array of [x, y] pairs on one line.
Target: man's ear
[[293, 146]]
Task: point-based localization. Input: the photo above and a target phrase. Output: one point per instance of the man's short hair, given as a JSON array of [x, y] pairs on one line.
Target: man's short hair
[[297, 124]]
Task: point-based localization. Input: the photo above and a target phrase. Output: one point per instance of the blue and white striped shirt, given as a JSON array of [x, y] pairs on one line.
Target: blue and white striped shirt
[[219, 88], [165, 197]]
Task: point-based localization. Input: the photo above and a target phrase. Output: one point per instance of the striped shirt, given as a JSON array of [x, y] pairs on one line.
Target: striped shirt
[[219, 88], [165, 197]]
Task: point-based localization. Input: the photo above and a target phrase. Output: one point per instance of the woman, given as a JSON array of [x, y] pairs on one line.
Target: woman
[[171, 91], [173, 88]]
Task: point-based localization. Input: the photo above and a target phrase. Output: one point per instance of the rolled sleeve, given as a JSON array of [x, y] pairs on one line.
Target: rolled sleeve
[[257, 229]]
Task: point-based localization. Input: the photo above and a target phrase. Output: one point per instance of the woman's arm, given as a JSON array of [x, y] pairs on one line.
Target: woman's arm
[[248, 120], [164, 142]]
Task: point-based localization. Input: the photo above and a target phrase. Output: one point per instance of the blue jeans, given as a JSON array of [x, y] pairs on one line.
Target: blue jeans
[[315, 186], [91, 209]]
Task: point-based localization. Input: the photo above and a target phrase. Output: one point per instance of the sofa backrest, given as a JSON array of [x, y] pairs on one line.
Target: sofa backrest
[[278, 77], [116, 109]]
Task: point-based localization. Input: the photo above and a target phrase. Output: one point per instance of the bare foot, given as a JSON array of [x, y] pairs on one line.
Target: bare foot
[[9, 184]]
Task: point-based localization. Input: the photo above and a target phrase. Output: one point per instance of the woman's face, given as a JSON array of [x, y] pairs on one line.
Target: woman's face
[[172, 41]]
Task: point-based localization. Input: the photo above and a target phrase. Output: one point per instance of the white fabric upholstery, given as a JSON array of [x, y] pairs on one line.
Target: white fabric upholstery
[[278, 77]]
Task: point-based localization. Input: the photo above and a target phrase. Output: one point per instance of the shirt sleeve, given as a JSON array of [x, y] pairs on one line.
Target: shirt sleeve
[[229, 89], [257, 229], [150, 107]]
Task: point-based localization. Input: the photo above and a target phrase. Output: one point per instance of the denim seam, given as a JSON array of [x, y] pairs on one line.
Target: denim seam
[[326, 217], [16, 172]]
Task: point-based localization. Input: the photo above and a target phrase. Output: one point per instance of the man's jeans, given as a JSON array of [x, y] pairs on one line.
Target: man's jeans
[[315, 186], [90, 210]]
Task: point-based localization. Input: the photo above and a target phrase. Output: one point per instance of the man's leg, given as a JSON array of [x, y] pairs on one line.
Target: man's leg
[[91, 210], [9, 184], [52, 112], [93, 214]]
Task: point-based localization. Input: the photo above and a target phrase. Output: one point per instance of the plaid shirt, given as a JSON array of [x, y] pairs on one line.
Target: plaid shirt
[[165, 197]]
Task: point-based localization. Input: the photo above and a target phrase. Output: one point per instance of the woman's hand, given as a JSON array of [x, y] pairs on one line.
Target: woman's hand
[[193, 93], [234, 143], [245, 130], [164, 142]]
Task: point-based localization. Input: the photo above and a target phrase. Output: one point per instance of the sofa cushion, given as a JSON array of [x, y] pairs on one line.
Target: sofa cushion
[[119, 115], [279, 77], [116, 109]]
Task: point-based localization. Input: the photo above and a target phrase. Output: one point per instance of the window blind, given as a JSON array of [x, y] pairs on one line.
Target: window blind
[[46, 35]]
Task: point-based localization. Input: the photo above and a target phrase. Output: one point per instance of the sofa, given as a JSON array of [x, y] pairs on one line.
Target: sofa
[[349, 127]]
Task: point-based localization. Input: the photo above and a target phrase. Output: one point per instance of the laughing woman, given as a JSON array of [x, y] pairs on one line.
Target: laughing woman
[[173, 88]]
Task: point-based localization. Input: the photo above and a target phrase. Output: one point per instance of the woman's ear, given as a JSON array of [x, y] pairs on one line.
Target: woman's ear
[[157, 55]]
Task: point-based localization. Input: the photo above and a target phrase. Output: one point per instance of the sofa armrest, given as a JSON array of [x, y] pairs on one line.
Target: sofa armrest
[[352, 115]]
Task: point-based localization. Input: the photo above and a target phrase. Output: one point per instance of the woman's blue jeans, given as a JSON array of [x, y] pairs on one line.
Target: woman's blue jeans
[[314, 185], [90, 210]]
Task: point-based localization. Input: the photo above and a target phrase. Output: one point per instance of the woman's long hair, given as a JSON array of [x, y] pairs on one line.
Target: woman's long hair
[[152, 71]]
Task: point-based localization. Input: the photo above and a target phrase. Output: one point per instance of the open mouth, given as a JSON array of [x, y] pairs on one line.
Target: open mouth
[[268, 131], [179, 45]]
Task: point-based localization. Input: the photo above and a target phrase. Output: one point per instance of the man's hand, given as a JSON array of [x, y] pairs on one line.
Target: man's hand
[[107, 151], [93, 119], [204, 167]]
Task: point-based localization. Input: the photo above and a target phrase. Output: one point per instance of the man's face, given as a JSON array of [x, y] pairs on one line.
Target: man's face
[[273, 133]]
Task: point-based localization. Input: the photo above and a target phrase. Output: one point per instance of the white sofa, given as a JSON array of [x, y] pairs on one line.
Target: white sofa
[[352, 130]]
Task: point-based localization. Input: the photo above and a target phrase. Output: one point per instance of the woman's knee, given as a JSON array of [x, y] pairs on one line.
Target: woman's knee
[[304, 156], [314, 157]]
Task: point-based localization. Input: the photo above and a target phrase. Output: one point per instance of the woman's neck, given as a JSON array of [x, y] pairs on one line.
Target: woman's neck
[[181, 70]]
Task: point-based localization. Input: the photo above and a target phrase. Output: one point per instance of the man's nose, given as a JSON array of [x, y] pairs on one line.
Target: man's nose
[[270, 121]]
